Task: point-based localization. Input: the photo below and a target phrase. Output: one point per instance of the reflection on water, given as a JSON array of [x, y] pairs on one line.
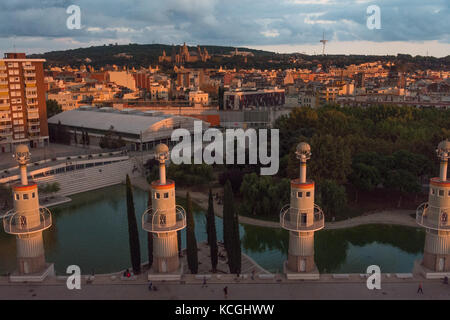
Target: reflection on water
[[92, 232]]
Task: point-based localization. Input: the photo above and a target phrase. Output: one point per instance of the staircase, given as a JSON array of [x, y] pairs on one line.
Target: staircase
[[78, 181]]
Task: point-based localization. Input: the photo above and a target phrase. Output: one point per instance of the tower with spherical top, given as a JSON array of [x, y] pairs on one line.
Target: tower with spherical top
[[27, 220], [164, 218], [434, 217], [301, 218]]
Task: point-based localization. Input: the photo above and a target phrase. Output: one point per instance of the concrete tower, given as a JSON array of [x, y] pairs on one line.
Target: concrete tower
[[302, 218], [164, 219], [27, 221], [434, 216]]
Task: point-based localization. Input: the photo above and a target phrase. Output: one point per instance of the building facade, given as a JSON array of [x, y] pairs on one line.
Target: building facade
[[23, 112]]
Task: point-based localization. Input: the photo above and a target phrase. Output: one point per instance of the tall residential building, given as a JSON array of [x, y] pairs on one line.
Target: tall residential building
[[23, 113]]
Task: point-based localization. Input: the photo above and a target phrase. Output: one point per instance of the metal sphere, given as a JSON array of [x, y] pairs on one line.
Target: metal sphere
[[443, 149], [303, 151], [22, 154], [161, 148]]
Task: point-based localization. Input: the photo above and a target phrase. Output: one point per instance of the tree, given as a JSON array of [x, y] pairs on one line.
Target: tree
[[211, 231], [231, 231], [191, 242], [133, 234], [150, 235], [53, 108], [333, 198]]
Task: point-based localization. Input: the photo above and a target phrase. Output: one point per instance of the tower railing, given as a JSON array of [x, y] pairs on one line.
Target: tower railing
[[291, 219], [17, 222], [159, 221], [425, 218]]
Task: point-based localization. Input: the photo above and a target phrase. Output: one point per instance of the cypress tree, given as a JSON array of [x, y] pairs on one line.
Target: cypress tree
[[179, 242], [191, 242], [236, 243], [150, 236], [228, 222], [133, 234], [211, 229]]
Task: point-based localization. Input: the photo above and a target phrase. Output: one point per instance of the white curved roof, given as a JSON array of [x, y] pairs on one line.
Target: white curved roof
[[128, 123]]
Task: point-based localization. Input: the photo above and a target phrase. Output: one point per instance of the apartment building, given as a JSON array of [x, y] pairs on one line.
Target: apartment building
[[23, 113]]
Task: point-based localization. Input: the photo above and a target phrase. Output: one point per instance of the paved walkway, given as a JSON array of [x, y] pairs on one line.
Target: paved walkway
[[433, 290], [396, 217]]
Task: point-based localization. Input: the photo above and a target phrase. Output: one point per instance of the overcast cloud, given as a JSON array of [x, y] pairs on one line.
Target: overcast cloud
[[40, 25]]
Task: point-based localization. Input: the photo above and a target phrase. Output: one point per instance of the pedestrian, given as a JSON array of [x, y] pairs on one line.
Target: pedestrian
[[253, 274], [204, 282], [225, 292], [420, 288], [445, 280]]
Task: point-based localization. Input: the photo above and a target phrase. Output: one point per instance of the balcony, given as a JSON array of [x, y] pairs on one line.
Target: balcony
[[30, 74], [5, 105], [3, 82], [30, 81], [34, 130], [29, 68], [31, 102], [290, 219], [33, 115], [433, 217], [31, 95], [4, 127], [21, 223], [157, 221], [3, 75]]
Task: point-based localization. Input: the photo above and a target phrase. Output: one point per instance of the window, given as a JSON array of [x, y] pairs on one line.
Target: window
[[299, 194], [166, 195], [432, 191], [17, 196], [157, 195], [308, 194], [441, 193], [25, 196], [162, 219], [33, 195], [304, 218]]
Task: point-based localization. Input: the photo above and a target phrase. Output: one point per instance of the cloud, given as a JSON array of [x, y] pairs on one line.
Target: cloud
[[42, 24]]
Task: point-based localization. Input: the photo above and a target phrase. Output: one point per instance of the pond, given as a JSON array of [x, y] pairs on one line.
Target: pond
[[92, 232]]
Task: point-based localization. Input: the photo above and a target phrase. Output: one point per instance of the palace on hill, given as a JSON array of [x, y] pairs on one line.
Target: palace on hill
[[184, 55]]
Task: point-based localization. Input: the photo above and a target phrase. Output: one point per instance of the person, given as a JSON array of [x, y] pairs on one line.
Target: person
[[445, 280], [420, 288], [150, 285], [204, 282], [253, 274], [225, 292]]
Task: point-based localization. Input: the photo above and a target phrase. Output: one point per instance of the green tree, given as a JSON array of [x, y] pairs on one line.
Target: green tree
[[332, 198], [211, 231], [53, 108], [133, 234], [231, 230], [191, 242]]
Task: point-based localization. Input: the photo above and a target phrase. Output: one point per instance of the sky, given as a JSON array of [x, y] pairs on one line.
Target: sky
[[416, 27]]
